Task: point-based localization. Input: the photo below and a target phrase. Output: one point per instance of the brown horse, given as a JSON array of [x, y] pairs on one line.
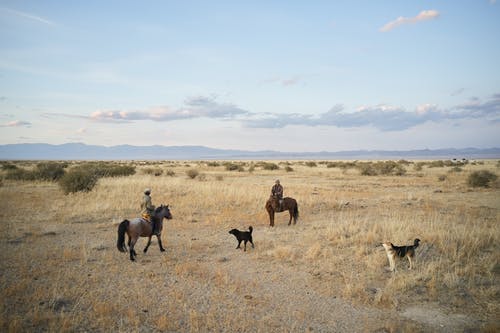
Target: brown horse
[[290, 204], [139, 227]]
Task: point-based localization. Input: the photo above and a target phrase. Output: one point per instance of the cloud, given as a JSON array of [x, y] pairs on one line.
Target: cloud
[[194, 107], [285, 81], [383, 117], [17, 123], [424, 15], [28, 16]]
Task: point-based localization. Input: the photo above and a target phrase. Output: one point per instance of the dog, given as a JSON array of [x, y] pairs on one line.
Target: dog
[[407, 251], [243, 236]]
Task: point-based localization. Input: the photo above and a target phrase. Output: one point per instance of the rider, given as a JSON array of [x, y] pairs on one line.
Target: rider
[[277, 191], [148, 208]]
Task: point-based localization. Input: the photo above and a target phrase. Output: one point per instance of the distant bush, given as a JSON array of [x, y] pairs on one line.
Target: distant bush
[[288, 168], [233, 166], [442, 178], [78, 180], [8, 166], [213, 164], [436, 164], [106, 169], [50, 171], [456, 169], [192, 173], [20, 174], [170, 173], [481, 178], [153, 171], [270, 166], [381, 168], [311, 164]]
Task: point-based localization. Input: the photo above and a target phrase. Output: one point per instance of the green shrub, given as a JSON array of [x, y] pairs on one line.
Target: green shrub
[[20, 174], [50, 171], [311, 164], [234, 167], [78, 180], [106, 169], [213, 164], [481, 178], [270, 166], [8, 166], [170, 173], [442, 178], [288, 168]]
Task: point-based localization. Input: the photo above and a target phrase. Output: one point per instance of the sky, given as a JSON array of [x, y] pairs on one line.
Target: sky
[[291, 76]]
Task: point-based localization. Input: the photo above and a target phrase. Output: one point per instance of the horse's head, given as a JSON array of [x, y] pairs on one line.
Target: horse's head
[[163, 212]]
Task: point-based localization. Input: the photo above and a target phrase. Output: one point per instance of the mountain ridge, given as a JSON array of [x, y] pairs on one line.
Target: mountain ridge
[[81, 151]]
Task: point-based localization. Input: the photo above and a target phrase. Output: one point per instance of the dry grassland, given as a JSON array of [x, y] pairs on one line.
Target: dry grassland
[[61, 271]]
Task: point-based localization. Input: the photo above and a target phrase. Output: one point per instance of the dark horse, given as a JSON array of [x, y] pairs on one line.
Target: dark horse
[[139, 227], [290, 204]]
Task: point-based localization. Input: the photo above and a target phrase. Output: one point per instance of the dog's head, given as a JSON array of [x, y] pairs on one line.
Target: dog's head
[[234, 231], [387, 246], [416, 242]]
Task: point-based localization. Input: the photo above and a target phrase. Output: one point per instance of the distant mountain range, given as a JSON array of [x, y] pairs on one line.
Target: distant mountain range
[[80, 151]]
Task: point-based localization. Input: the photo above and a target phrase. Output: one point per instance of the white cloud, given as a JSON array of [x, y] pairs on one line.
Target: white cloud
[[424, 15], [17, 123]]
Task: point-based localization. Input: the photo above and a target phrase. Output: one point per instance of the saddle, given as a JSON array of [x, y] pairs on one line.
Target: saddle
[[146, 217]]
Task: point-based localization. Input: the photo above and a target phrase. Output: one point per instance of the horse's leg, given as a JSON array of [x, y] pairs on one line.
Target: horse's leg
[[158, 236], [291, 215], [271, 217], [133, 254], [147, 245]]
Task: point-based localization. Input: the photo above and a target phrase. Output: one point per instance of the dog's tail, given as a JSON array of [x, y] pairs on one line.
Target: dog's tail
[[250, 229]]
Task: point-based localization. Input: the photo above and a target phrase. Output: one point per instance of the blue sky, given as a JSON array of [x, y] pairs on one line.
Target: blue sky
[[254, 75]]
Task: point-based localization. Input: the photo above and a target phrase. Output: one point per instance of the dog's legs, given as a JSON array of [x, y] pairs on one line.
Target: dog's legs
[[239, 242], [245, 245], [411, 262], [252, 243], [392, 263]]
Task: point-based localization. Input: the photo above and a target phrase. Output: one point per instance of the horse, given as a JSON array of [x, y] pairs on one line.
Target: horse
[[139, 227], [290, 204]]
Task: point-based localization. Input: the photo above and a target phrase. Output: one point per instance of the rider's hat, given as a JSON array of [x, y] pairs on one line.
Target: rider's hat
[[148, 190], [277, 181]]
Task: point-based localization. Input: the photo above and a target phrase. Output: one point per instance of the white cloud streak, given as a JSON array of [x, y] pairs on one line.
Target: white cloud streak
[[28, 16], [424, 15], [17, 123]]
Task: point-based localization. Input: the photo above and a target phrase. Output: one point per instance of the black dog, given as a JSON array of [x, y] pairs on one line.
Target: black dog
[[245, 236]]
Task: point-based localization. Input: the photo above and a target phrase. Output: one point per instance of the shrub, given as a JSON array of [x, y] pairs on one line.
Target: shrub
[[192, 173], [288, 169], [311, 164], [170, 173], [20, 174], [78, 180], [270, 166], [233, 167], [456, 169], [8, 166], [50, 171], [153, 171], [481, 178], [213, 164], [103, 169], [442, 178]]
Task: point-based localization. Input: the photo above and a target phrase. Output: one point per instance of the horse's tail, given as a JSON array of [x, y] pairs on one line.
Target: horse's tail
[[296, 211], [122, 228]]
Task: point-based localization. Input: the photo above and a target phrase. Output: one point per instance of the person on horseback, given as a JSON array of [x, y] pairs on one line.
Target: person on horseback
[[147, 209], [277, 191]]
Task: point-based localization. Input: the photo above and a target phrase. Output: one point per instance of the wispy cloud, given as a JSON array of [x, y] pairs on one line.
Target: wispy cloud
[[424, 15], [194, 107], [28, 16], [284, 81], [16, 123]]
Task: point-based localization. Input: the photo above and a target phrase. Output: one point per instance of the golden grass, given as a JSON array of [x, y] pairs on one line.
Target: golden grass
[[61, 270]]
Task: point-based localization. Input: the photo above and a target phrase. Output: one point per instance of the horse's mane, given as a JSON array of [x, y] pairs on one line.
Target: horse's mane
[[158, 209]]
